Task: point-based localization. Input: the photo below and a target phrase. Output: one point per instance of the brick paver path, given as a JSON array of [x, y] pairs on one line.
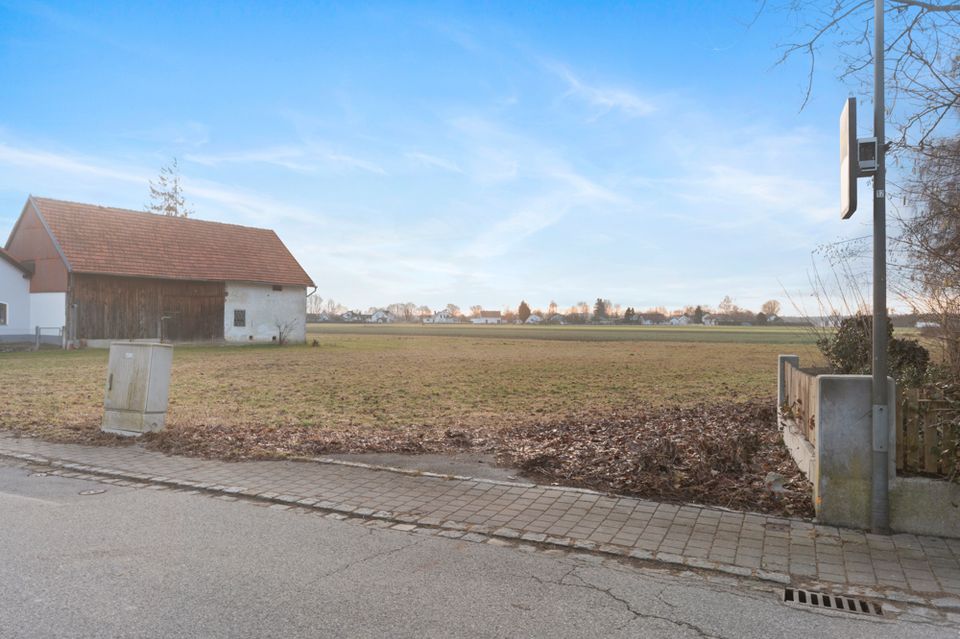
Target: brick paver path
[[743, 543]]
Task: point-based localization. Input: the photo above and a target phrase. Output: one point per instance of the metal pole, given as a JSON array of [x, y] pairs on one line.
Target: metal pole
[[879, 501]]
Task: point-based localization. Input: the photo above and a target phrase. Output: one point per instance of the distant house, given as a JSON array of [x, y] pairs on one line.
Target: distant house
[[382, 317], [681, 320], [927, 324], [709, 320], [534, 319], [557, 318], [355, 317], [441, 317], [487, 317], [105, 274]]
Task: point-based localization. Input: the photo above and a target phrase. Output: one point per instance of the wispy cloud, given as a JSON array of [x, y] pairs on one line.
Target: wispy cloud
[[303, 159], [434, 161], [77, 175], [39, 159], [189, 134], [602, 100]]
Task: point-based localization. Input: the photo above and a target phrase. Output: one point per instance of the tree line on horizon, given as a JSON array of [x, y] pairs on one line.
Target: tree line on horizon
[[601, 311]]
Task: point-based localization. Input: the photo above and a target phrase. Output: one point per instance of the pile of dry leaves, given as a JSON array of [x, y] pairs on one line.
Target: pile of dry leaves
[[728, 454], [723, 454]]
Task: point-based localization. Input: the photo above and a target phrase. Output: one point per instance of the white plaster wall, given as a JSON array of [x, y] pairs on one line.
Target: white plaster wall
[[264, 307], [48, 310], [15, 293]]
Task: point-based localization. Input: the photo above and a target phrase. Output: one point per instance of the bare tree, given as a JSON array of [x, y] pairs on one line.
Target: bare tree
[[314, 304], [284, 328], [930, 242], [475, 310], [770, 308], [922, 40], [166, 195]]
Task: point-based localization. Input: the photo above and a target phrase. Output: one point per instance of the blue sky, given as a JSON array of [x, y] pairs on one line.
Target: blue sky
[[476, 153]]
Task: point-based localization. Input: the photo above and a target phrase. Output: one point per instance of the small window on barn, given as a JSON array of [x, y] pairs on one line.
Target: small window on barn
[[239, 317], [277, 287], [3, 314]]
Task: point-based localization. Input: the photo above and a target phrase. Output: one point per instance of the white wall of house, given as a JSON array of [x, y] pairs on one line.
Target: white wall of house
[[15, 293], [48, 310], [485, 320], [263, 309]]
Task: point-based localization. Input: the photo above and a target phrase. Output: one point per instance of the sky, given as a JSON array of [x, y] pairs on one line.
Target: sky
[[651, 153]]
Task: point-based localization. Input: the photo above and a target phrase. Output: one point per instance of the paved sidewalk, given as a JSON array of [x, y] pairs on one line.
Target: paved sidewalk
[[745, 544]]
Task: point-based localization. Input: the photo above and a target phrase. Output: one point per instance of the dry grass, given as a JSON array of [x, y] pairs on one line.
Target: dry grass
[[378, 385], [584, 411]]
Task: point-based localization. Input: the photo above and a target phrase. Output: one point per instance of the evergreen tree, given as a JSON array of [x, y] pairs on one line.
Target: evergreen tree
[[600, 309], [523, 312], [166, 196]]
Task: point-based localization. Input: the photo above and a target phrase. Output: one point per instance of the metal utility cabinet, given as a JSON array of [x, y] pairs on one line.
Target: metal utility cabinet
[[138, 383]]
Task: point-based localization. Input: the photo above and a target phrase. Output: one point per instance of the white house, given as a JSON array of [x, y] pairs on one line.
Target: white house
[[382, 317], [15, 324], [441, 317], [487, 317], [534, 319], [682, 320], [709, 320], [557, 319]]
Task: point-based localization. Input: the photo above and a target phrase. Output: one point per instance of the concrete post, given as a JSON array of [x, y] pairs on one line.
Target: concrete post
[[782, 362], [842, 482]]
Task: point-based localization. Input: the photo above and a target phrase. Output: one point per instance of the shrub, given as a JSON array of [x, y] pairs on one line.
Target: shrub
[[849, 351]]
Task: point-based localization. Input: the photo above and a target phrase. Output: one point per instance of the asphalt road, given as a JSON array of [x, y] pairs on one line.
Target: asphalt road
[[145, 563]]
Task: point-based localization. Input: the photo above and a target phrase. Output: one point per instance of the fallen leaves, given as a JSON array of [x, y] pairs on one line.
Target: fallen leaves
[[719, 454]]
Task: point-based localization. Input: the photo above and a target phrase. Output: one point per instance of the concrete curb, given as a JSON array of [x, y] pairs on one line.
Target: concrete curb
[[501, 536]]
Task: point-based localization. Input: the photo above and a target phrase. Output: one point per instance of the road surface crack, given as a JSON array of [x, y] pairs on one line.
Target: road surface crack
[[636, 614], [367, 558]]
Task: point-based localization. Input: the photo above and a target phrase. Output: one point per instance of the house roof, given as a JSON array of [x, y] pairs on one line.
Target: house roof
[[111, 241], [13, 262], [491, 314]]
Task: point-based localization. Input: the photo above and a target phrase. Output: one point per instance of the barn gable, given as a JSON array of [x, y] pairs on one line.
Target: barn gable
[[124, 274]]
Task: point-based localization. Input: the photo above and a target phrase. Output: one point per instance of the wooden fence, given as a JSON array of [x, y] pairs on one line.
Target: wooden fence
[[801, 399], [928, 428]]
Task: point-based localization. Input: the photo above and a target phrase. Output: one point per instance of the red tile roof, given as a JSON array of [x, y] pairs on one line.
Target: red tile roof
[[491, 314], [109, 241]]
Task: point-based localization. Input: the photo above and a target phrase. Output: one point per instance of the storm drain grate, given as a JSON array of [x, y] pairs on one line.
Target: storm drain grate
[[826, 601]]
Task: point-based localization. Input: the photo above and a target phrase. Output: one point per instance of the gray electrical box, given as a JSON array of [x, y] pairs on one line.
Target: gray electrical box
[[138, 383]]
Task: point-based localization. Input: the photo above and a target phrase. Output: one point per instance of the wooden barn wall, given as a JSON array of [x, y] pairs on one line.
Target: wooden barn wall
[[129, 308]]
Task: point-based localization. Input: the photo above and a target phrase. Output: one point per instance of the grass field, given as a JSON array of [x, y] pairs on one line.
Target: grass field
[[372, 380], [682, 413], [712, 334]]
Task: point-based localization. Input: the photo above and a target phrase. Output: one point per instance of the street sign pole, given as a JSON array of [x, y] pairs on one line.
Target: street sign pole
[[879, 498]]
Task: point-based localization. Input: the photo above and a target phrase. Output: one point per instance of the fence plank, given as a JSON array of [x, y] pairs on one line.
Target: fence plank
[[912, 452], [949, 436], [900, 424], [931, 439]]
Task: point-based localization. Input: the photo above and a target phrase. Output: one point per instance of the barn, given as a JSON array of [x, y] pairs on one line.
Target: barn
[[105, 273]]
